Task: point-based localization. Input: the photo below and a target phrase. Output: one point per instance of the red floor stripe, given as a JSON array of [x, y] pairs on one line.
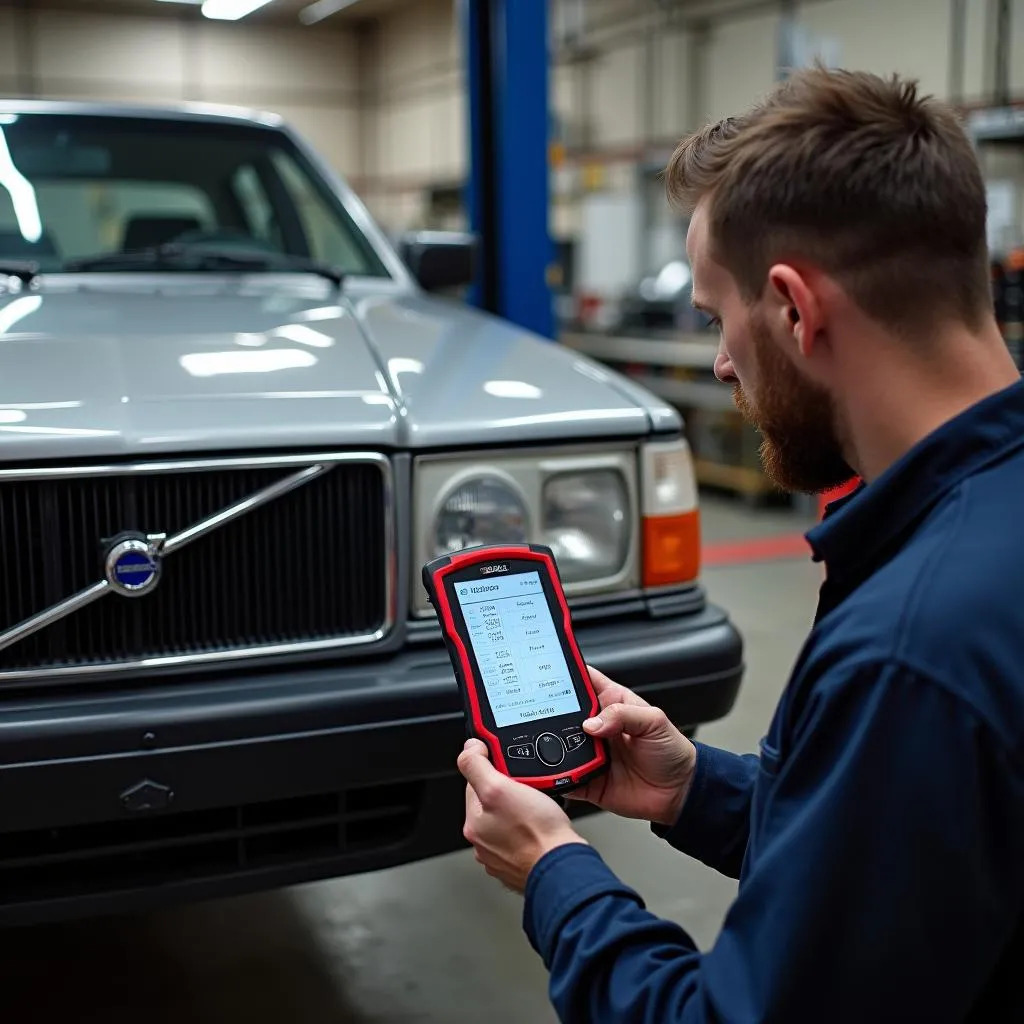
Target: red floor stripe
[[759, 549]]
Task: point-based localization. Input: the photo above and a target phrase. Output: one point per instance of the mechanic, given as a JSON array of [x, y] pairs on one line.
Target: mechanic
[[838, 237]]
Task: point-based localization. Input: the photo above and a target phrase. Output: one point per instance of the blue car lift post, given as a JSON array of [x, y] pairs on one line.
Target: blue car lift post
[[506, 46]]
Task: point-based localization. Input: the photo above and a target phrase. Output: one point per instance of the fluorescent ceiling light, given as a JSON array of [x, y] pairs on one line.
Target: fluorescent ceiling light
[[322, 9], [231, 10]]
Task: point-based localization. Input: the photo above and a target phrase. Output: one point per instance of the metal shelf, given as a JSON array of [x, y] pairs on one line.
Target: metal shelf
[[692, 352], [696, 390], [692, 394]]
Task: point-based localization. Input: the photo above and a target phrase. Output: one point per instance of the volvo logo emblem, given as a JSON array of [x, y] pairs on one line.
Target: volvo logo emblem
[[132, 565]]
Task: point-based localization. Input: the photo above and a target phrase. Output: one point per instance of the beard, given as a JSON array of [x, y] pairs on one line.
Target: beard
[[800, 446]]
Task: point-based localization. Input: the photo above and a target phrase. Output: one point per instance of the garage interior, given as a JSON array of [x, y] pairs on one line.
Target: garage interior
[[584, 251]]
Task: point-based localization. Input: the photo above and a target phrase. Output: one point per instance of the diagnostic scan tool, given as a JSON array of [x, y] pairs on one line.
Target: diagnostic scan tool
[[525, 687]]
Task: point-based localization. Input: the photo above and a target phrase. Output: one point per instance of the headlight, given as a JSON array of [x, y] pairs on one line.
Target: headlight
[[480, 510], [584, 503], [586, 523]]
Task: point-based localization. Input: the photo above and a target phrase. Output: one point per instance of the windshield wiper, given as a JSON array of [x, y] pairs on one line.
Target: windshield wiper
[[205, 257], [25, 270]]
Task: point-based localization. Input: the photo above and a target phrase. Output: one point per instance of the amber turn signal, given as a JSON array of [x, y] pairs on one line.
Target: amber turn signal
[[671, 549], [671, 515]]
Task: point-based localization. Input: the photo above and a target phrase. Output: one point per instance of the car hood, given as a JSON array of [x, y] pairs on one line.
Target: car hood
[[126, 365]]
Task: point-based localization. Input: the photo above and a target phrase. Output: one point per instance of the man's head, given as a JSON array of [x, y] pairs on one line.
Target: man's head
[[843, 205]]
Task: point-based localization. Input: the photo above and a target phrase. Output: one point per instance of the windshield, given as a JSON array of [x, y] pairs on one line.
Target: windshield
[[81, 186]]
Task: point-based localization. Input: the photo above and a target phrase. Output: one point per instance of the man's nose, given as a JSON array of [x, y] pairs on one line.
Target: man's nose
[[723, 368]]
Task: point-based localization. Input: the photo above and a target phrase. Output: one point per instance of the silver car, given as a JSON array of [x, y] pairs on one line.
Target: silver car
[[234, 423]]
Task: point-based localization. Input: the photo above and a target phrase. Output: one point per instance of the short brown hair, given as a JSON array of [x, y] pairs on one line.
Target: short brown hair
[[857, 175]]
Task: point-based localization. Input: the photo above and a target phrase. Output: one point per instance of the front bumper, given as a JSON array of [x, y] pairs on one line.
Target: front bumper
[[216, 787]]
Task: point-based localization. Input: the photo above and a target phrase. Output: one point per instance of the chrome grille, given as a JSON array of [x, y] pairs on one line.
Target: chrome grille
[[308, 568]]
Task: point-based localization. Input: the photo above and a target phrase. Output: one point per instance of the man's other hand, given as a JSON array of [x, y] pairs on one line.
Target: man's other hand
[[510, 825], [652, 762]]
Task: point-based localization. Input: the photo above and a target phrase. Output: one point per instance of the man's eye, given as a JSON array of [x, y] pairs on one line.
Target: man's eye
[[713, 323]]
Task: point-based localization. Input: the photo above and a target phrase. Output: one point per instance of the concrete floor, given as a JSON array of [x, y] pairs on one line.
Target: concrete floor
[[437, 941]]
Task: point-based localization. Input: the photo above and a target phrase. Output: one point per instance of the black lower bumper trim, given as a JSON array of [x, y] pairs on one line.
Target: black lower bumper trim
[[129, 800]]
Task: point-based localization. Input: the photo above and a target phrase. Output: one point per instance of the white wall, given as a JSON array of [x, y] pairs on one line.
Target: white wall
[[388, 105], [8, 51], [739, 64], [979, 33], [909, 36], [414, 111], [308, 75], [417, 94], [1017, 46], [642, 89]]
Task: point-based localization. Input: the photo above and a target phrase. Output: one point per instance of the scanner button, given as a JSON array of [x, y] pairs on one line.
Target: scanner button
[[521, 750], [550, 749], [574, 740]]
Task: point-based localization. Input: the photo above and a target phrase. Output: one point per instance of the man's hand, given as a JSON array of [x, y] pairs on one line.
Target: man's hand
[[652, 761], [510, 825]]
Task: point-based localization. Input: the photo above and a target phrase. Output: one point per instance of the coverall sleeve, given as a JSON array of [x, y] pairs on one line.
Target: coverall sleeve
[[715, 821], [884, 880]]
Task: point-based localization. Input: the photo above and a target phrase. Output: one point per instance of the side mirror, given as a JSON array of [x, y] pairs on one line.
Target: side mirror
[[440, 260]]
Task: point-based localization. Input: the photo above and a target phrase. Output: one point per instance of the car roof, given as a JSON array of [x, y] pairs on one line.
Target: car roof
[[210, 112]]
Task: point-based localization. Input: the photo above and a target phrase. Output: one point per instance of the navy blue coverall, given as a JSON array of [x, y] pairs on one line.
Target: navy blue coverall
[[878, 836]]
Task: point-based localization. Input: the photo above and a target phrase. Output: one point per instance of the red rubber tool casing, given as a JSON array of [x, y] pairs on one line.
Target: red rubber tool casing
[[514, 748]]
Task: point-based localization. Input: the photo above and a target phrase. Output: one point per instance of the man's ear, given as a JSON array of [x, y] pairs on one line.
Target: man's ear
[[795, 304]]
